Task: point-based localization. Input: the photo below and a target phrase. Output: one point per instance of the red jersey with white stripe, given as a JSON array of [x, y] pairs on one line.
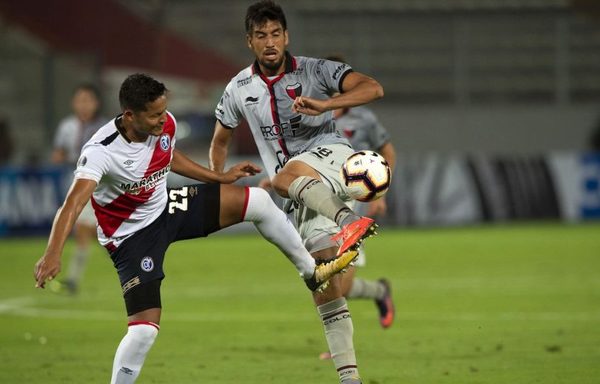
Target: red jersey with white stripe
[[131, 177]]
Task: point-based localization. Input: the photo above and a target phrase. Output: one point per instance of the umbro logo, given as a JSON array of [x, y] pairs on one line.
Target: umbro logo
[[126, 371], [128, 162]]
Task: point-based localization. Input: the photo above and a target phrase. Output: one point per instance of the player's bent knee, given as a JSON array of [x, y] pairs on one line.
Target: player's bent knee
[[259, 202]]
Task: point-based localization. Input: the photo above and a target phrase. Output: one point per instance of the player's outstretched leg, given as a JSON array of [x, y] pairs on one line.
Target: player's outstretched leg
[[317, 196], [385, 305], [275, 226]]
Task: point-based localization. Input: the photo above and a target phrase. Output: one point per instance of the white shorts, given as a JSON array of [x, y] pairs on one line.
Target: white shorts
[[87, 216], [316, 230]]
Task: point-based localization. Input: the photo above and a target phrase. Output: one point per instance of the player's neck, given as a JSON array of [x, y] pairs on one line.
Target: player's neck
[[273, 72], [129, 133]]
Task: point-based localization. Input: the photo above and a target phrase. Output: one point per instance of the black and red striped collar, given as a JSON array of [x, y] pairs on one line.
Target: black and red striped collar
[[290, 65]]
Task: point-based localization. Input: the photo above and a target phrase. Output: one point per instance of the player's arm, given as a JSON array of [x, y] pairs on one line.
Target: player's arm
[[59, 156], [184, 166], [219, 147], [48, 266], [357, 89], [389, 154]]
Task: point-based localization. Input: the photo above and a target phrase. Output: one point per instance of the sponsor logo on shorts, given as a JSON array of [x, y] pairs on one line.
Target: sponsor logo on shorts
[[165, 142], [147, 264], [131, 283]]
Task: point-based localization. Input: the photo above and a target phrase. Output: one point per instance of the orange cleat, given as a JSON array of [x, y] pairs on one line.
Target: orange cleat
[[385, 306], [354, 233]]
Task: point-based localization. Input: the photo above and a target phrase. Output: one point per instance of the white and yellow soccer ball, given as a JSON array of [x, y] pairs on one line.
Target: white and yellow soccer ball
[[366, 175]]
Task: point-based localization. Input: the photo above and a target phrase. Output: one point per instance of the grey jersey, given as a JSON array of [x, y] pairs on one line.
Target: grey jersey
[[362, 128], [266, 104]]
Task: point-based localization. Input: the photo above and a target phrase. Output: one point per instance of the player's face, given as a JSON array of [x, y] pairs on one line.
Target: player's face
[[150, 121], [85, 105], [268, 42]]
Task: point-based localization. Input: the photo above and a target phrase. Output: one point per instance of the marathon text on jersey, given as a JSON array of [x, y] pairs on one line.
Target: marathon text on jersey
[[147, 182]]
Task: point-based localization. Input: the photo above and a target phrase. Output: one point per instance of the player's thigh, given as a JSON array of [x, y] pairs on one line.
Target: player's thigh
[[292, 170], [327, 162], [233, 200]]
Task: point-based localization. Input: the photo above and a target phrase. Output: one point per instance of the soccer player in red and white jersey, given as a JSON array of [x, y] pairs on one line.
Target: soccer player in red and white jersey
[[286, 101], [123, 169]]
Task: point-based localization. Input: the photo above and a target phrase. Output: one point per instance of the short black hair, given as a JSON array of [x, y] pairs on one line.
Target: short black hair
[[261, 12], [138, 90]]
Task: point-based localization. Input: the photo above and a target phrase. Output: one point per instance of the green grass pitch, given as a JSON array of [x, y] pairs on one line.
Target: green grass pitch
[[499, 304]]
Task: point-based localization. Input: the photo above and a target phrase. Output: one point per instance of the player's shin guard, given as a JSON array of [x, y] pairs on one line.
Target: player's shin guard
[[275, 226], [132, 351], [338, 332], [317, 196]]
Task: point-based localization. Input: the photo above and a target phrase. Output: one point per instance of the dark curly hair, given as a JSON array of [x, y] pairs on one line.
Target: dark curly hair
[[261, 12], [138, 90]]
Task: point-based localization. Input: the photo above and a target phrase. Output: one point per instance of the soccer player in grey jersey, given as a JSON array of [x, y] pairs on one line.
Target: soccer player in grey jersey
[[286, 101]]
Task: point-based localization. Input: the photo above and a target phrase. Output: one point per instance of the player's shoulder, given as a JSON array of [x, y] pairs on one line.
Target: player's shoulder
[[308, 62], [104, 137], [243, 78]]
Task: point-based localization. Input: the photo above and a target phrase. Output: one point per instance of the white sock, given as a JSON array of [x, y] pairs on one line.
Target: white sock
[[132, 351], [317, 196], [366, 289], [338, 332], [275, 226]]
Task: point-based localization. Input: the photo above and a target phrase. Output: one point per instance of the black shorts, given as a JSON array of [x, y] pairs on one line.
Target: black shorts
[[191, 212]]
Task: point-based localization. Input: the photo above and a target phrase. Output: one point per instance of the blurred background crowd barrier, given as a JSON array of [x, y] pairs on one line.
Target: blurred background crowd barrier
[[492, 105]]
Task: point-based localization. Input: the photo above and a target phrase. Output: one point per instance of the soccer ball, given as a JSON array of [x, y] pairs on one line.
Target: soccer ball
[[367, 175]]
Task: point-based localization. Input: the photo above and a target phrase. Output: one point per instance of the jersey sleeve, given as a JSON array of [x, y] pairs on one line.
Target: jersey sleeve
[[227, 111], [92, 163], [378, 135], [331, 74]]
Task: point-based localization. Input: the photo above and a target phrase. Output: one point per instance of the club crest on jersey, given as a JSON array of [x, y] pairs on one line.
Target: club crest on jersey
[[165, 142], [294, 90], [348, 133], [147, 264]]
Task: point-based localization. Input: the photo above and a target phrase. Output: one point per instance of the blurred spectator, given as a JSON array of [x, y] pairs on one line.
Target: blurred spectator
[[74, 131]]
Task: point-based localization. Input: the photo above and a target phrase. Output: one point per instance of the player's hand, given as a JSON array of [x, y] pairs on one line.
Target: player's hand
[[243, 169], [46, 268], [309, 106], [265, 183], [377, 207]]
